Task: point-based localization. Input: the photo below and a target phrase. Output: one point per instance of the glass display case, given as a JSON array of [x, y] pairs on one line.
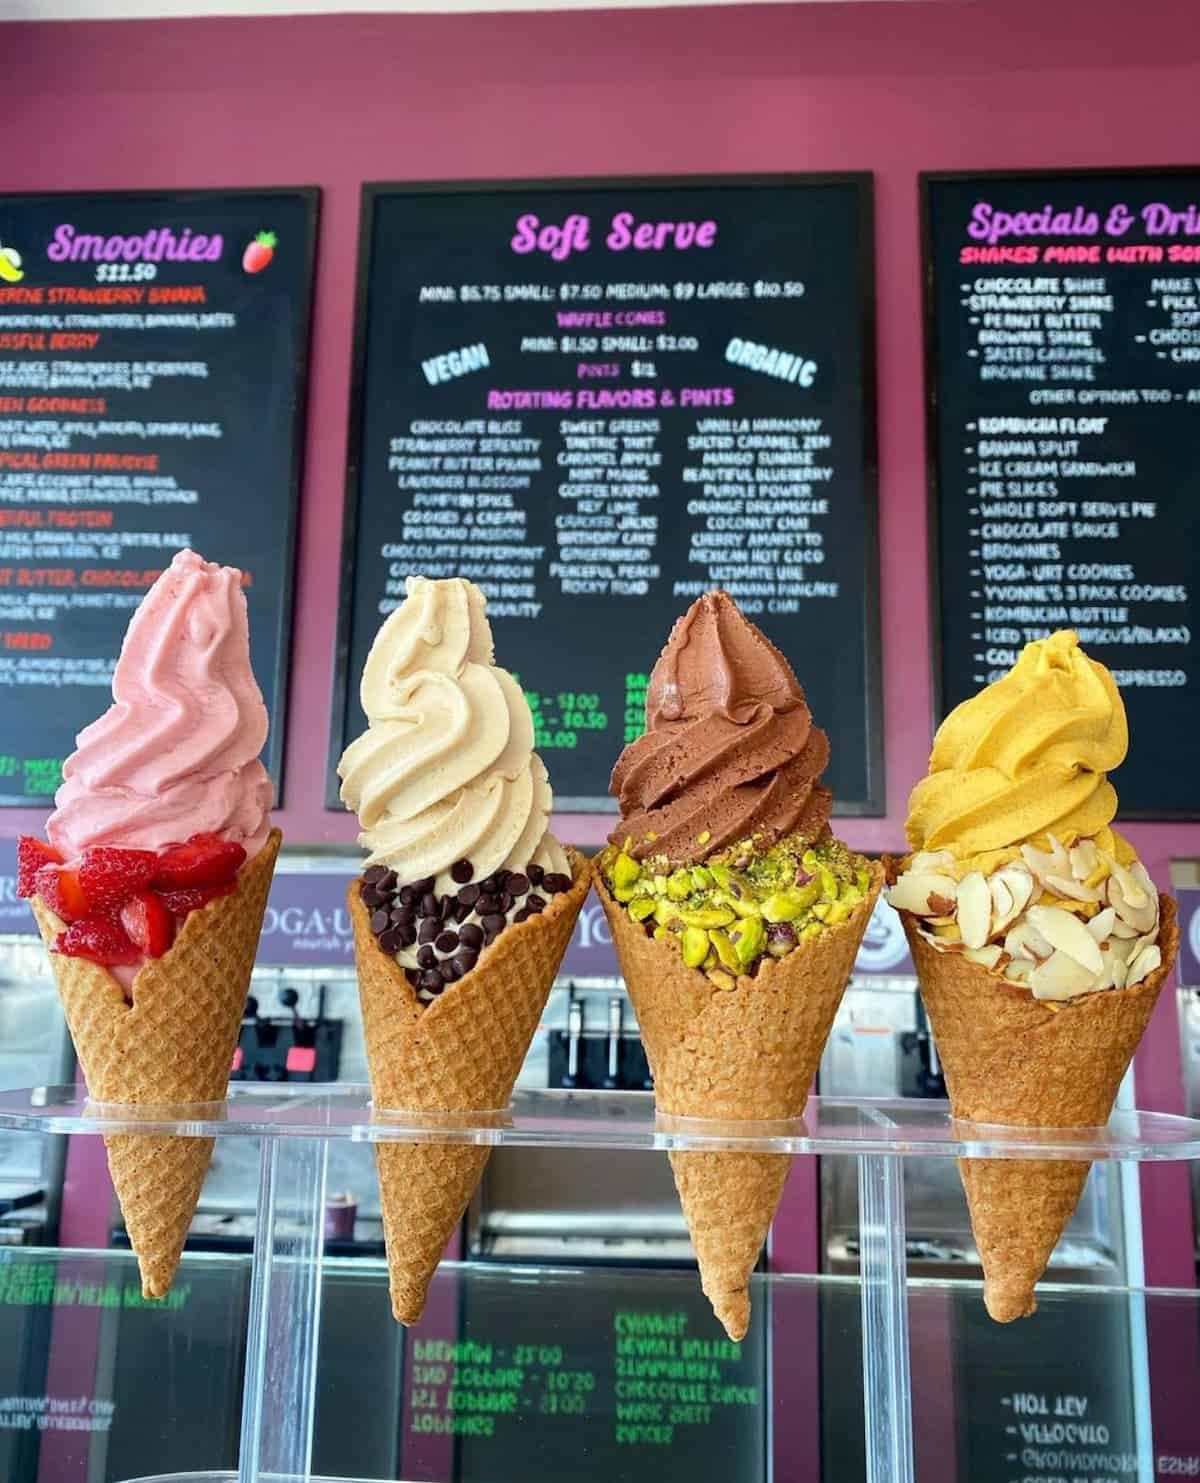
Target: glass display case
[[287, 1364]]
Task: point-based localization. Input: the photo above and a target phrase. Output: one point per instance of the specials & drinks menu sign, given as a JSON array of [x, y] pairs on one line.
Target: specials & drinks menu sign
[[152, 366], [1063, 334], [599, 399]]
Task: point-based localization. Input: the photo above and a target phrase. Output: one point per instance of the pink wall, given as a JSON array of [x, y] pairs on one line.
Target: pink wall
[[890, 87]]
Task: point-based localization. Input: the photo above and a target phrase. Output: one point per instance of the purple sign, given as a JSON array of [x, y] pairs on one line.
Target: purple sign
[[1187, 899], [306, 922]]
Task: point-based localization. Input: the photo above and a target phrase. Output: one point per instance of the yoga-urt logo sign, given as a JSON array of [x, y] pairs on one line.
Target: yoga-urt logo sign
[[884, 945]]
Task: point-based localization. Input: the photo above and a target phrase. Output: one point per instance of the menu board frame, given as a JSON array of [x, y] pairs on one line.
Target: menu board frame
[[310, 195], [927, 180], [875, 804]]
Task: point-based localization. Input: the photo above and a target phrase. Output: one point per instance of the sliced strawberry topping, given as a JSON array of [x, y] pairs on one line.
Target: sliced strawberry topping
[[181, 902], [205, 860], [148, 921], [111, 876], [62, 891], [100, 939], [32, 854]]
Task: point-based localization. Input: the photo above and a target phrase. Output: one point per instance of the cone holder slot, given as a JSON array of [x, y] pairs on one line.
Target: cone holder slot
[[296, 1124]]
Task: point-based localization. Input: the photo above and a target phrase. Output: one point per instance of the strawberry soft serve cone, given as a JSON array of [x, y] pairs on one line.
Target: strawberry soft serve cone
[[1039, 940], [464, 912], [173, 1044], [735, 917], [160, 855]]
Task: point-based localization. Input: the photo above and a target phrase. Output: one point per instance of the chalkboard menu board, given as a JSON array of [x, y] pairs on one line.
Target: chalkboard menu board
[[599, 399], [1063, 335], [152, 364], [603, 1385]]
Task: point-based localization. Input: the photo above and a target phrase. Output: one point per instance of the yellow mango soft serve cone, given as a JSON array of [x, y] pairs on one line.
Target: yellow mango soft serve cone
[[464, 909], [736, 917], [1039, 939]]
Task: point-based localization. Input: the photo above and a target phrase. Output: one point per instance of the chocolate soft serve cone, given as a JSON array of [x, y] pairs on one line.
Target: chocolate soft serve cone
[[175, 756], [464, 910], [1040, 942], [735, 916]]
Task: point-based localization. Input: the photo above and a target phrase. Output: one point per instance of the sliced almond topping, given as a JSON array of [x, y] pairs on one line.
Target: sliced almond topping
[[1144, 964], [1122, 930], [1061, 977], [1118, 971], [1101, 924], [1074, 890], [1004, 908], [1084, 859], [1025, 941], [931, 862], [1143, 917], [1018, 969], [941, 905], [974, 909], [1020, 882], [986, 957], [1132, 890], [912, 892], [1064, 931]]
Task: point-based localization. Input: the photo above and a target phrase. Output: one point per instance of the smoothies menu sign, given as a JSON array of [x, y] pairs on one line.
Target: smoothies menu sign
[[1064, 340], [152, 358], [600, 399]]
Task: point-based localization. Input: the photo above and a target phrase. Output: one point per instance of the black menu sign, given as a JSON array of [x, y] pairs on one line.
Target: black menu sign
[[152, 363], [600, 399], [1063, 333]]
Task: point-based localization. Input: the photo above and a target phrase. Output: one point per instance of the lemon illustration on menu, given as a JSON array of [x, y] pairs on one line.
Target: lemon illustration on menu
[[11, 270]]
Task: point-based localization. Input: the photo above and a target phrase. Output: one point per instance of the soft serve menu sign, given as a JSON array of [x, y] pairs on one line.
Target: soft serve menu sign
[[152, 352], [599, 399]]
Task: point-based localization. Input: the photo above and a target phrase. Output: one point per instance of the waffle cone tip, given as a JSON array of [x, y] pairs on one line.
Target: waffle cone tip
[[732, 1310], [1007, 1299]]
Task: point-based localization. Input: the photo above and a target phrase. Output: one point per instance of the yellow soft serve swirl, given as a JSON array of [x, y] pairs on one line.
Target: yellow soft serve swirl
[[1025, 757], [446, 769]]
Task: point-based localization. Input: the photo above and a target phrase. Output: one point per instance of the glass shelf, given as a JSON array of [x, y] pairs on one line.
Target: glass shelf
[[613, 1120]]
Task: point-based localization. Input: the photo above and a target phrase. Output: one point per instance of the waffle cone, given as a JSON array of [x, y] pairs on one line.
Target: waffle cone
[[744, 1053], [1011, 1059], [174, 1044], [461, 1053]]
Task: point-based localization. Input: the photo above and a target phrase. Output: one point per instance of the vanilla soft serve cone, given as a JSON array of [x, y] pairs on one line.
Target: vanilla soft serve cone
[[151, 886], [1040, 941], [736, 916], [465, 907]]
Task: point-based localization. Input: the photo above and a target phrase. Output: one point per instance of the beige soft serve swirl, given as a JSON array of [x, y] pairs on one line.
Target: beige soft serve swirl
[[446, 769]]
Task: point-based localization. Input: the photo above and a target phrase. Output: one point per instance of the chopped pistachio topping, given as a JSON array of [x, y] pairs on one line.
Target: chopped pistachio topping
[[745, 905]]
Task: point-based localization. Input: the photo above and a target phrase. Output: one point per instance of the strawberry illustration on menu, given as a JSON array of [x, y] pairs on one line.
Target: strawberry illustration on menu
[[259, 253]]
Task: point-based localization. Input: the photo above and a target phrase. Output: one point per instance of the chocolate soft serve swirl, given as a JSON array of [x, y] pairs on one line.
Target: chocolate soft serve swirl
[[730, 748]]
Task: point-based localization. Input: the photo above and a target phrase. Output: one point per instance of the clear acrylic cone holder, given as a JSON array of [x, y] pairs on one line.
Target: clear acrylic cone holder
[[296, 1125]]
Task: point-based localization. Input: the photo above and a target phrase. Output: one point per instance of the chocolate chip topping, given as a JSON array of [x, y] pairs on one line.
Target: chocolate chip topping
[[381, 920], [469, 895], [557, 883], [534, 903], [517, 885], [429, 905], [471, 936], [372, 897], [461, 872], [429, 929], [446, 942], [426, 957], [535, 874], [466, 960]]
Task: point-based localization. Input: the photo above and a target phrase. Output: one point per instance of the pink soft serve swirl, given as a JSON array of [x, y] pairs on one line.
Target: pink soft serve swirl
[[177, 753]]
